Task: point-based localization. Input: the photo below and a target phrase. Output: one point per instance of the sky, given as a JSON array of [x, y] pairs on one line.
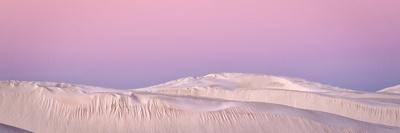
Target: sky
[[128, 44]]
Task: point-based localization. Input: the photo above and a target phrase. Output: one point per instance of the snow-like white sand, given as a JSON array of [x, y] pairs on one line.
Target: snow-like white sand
[[226, 102]]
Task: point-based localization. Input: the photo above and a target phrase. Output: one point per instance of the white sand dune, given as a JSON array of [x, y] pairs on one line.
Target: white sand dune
[[363, 106], [213, 103], [394, 89], [240, 81]]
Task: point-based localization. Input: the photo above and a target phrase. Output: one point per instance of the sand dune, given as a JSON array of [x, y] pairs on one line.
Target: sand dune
[[363, 106], [394, 89], [212, 103], [240, 81]]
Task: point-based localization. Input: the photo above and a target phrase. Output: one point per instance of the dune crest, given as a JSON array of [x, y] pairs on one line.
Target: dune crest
[[241, 81], [393, 89], [294, 92]]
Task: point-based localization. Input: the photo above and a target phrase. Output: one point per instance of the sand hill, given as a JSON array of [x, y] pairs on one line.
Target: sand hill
[[394, 89], [215, 103]]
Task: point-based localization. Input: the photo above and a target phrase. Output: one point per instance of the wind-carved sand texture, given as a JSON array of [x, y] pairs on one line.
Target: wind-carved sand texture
[[215, 103]]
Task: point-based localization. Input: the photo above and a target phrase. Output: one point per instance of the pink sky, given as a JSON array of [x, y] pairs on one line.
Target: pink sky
[[136, 43]]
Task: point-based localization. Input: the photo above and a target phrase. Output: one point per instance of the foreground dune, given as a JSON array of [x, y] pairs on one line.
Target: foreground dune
[[369, 107], [213, 103]]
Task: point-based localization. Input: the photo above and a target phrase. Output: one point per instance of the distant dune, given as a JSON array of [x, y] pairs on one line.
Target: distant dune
[[215, 103], [394, 89]]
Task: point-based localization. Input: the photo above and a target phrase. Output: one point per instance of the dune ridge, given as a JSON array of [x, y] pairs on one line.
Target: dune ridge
[[363, 106], [393, 89]]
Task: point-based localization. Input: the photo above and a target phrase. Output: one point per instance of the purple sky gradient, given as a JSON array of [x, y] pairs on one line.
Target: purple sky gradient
[[136, 43]]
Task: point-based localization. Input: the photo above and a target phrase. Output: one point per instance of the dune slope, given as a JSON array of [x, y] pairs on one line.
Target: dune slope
[[363, 106]]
